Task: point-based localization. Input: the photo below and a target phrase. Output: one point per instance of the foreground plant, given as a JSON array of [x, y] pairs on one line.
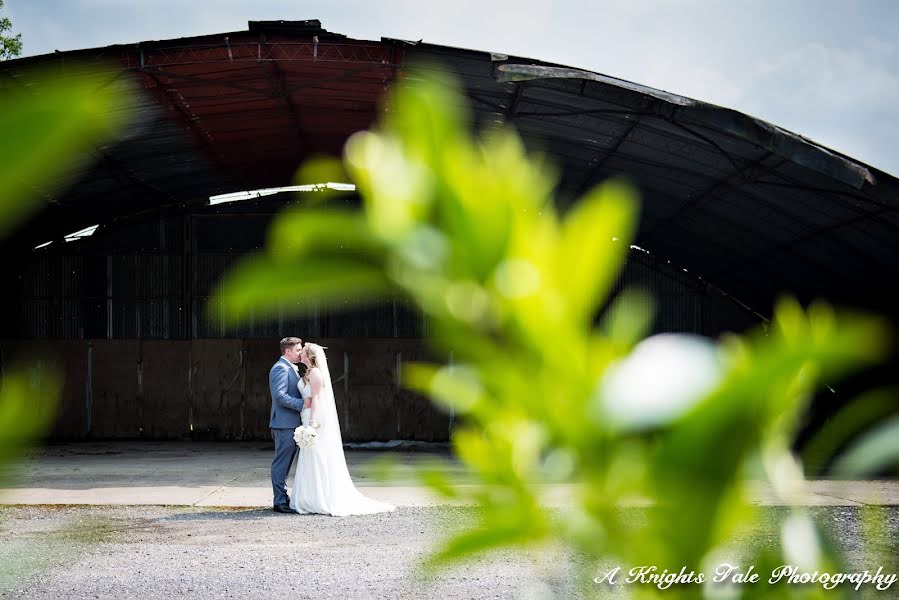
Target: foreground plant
[[466, 230]]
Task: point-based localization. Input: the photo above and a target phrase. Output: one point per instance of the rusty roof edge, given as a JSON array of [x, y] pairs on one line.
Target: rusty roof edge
[[782, 142]]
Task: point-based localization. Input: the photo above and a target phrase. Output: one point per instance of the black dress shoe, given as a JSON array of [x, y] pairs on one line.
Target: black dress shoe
[[283, 508]]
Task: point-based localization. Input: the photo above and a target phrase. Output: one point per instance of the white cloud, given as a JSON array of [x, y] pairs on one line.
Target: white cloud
[[842, 98]]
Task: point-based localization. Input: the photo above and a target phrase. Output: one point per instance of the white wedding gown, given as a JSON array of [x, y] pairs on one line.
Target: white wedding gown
[[322, 482]]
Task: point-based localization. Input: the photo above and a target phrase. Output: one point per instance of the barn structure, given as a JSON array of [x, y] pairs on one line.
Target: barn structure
[[736, 211]]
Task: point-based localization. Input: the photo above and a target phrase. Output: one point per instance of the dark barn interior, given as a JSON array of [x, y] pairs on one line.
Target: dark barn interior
[[735, 212]]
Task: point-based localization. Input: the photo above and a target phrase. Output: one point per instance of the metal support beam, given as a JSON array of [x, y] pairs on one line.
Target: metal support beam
[[279, 89], [784, 247], [494, 105], [115, 165], [596, 164], [512, 110], [247, 51], [203, 138], [738, 177], [157, 73]]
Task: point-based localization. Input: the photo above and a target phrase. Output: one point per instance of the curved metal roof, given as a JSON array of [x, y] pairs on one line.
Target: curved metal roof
[[748, 206]]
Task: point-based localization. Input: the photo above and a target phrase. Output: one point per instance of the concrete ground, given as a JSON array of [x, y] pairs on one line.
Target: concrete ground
[[236, 474], [193, 520]]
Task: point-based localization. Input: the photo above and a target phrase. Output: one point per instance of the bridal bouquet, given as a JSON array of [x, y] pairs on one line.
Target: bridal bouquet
[[305, 437]]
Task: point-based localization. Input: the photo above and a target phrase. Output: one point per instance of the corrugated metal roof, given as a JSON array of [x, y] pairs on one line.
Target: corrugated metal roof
[[748, 206]]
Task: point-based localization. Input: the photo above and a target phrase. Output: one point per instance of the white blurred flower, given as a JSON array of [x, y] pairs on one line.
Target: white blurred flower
[[661, 379]]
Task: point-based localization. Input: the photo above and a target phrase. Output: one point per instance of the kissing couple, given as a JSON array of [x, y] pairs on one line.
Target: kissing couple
[[322, 482]]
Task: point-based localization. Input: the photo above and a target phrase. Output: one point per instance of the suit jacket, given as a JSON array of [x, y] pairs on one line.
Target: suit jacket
[[286, 400]]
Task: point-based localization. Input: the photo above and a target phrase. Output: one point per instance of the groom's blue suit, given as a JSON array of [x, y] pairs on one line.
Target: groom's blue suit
[[286, 406]]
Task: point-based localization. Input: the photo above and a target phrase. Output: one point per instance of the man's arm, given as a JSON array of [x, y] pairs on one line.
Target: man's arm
[[277, 380]]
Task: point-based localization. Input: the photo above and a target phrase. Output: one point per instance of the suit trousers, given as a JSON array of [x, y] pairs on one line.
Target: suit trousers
[[285, 451]]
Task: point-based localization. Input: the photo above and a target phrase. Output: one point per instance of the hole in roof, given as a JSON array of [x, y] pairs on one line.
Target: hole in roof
[[253, 194], [81, 233]]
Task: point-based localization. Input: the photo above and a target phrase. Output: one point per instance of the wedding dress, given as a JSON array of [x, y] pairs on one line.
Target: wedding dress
[[322, 482]]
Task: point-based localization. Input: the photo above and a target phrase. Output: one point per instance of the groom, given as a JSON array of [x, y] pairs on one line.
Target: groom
[[286, 406]]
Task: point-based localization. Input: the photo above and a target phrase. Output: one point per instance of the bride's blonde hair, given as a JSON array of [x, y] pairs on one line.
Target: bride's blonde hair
[[309, 351], [310, 354]]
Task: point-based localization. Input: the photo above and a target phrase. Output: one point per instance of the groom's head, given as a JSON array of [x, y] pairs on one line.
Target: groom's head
[[291, 348]]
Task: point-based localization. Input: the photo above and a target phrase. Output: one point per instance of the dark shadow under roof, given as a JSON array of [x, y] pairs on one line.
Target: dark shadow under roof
[[749, 207]]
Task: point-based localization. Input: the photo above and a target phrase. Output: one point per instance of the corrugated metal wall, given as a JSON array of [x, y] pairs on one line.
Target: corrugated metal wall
[[47, 305], [682, 302], [147, 355], [146, 286]]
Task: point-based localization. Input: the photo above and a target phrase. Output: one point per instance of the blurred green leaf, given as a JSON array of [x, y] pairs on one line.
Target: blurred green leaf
[[434, 478], [259, 285], [474, 217], [742, 412], [45, 126], [596, 238], [473, 542], [456, 388], [628, 319], [301, 232], [877, 450], [396, 192], [29, 392], [321, 169], [512, 520], [848, 421], [427, 112]]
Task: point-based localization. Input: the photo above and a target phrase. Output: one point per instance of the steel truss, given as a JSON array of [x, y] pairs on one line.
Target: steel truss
[[257, 52]]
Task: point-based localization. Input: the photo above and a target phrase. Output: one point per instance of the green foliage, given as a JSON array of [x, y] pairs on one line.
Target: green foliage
[[28, 396], [10, 46], [35, 554], [466, 230], [873, 412], [46, 126], [873, 453]]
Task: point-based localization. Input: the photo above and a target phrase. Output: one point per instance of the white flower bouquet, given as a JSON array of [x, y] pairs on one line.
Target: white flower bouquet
[[305, 437]]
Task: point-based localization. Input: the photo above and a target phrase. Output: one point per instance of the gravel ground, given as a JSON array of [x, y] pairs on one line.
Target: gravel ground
[[165, 552]]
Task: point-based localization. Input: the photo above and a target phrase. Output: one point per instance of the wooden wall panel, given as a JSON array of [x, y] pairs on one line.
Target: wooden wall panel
[[372, 414], [71, 420], [115, 409], [165, 389], [216, 396], [158, 389], [419, 418], [372, 362], [259, 356]]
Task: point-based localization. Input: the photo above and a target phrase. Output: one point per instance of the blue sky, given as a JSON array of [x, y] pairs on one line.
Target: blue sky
[[826, 69]]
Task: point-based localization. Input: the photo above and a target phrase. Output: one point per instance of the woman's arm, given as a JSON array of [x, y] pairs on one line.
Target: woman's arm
[[315, 381]]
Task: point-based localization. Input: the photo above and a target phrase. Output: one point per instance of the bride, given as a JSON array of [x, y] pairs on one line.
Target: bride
[[322, 482]]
